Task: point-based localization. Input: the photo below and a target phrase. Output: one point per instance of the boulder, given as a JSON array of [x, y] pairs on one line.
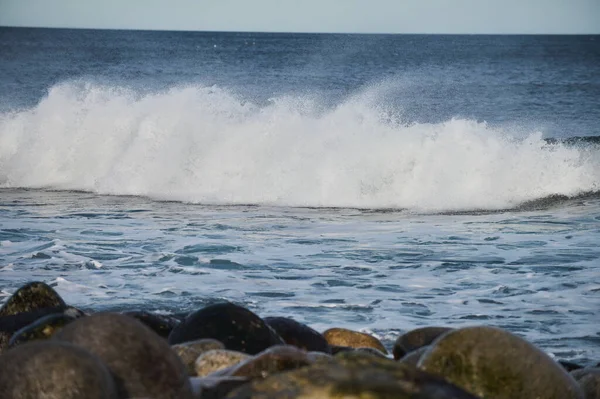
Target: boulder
[[142, 362], [589, 380], [160, 324], [236, 327], [271, 361], [495, 364], [416, 339], [54, 370], [41, 329], [30, 297], [353, 339], [298, 334], [188, 352], [215, 360]]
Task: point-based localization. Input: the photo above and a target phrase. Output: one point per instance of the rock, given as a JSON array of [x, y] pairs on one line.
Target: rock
[[416, 339], [160, 324], [352, 375], [353, 339], [412, 358], [236, 327], [589, 380], [298, 334], [32, 296], [569, 366], [215, 387], [142, 362], [493, 363], [188, 352], [335, 349], [54, 370], [273, 360], [215, 360], [41, 329]]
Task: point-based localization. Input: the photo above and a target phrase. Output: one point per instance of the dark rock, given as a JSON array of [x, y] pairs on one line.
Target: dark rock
[[215, 387], [188, 352], [569, 366], [342, 349], [412, 358], [32, 296], [298, 334], [216, 360], [273, 360], [141, 362], [353, 339], [589, 380], [493, 363], [41, 329], [416, 339], [335, 349], [236, 327], [352, 375], [54, 370], [160, 324]]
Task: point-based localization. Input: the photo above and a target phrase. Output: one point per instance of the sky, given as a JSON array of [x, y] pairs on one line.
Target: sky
[[349, 16]]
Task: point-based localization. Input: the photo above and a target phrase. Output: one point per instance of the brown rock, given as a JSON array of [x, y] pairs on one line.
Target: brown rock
[[353, 339], [416, 339]]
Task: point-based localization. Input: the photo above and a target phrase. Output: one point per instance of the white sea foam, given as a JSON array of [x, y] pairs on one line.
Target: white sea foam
[[206, 145]]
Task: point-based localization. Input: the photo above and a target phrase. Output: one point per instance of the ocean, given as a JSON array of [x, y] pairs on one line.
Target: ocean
[[374, 182]]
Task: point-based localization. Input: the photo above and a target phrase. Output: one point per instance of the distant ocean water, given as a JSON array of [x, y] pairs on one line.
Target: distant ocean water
[[376, 182]]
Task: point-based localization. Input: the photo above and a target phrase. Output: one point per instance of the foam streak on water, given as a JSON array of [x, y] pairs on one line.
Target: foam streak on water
[[207, 145]]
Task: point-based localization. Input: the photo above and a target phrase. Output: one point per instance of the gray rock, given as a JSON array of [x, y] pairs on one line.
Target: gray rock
[[54, 370], [493, 363], [412, 358], [216, 360], [589, 380], [141, 362], [41, 329], [188, 352], [416, 339], [271, 361]]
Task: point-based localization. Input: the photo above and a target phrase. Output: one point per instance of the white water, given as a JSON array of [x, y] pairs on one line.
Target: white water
[[206, 145]]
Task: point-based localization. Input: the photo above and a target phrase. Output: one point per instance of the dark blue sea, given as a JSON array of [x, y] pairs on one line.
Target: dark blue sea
[[375, 182]]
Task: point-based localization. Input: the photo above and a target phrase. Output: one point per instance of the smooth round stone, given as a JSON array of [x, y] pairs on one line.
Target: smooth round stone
[[352, 375], [236, 327], [41, 329], [412, 358], [54, 370], [416, 339], [142, 363], [216, 360], [32, 296], [273, 360], [353, 339], [589, 380], [160, 324], [298, 334], [188, 352], [495, 364]]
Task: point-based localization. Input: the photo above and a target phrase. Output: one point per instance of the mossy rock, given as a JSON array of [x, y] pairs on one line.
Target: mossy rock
[[32, 296], [236, 327], [41, 329], [142, 363], [352, 376], [589, 380], [271, 361], [188, 352], [216, 360], [54, 370], [416, 339], [496, 364], [353, 339], [160, 324], [298, 334]]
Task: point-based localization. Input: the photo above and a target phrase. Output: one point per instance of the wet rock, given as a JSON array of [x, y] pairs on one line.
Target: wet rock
[[352, 375], [54, 370], [412, 358], [141, 362], [298, 334], [188, 352], [569, 366], [353, 339], [215, 387], [215, 360], [273, 360], [416, 339], [335, 349], [160, 324], [41, 329], [32, 296], [236, 327], [589, 381], [494, 363]]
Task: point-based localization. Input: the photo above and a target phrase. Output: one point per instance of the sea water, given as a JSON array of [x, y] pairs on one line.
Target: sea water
[[374, 182]]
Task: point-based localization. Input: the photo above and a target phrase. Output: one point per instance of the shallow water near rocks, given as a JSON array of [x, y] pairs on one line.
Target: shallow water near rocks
[[532, 272]]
